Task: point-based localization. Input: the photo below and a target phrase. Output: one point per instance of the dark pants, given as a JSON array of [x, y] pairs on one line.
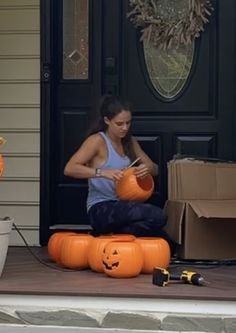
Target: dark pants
[[131, 217]]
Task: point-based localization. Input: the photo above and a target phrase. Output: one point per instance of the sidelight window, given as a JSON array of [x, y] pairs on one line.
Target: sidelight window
[[75, 39]]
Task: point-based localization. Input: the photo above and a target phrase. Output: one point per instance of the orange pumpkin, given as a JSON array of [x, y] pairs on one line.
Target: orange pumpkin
[[1, 165], [156, 253], [74, 251], [132, 188], [97, 246], [124, 237], [122, 259], [54, 244]]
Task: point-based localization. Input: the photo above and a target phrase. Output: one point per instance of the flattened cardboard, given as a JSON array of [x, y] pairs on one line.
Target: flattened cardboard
[[197, 180], [223, 209], [200, 235]]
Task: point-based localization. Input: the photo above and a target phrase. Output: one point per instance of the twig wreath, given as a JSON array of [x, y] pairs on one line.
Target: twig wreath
[[169, 30]]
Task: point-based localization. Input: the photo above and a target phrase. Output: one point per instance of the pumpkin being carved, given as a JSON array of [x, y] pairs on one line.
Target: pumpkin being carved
[[132, 188], [122, 259]]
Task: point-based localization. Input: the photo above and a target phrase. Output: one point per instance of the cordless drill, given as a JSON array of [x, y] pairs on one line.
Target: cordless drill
[[161, 277]]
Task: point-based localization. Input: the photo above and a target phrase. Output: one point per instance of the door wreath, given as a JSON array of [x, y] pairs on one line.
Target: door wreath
[[167, 30]]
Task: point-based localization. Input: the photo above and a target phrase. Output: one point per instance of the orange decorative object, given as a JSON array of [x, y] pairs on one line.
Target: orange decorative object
[[74, 251], [2, 142], [132, 188], [156, 253], [122, 259], [97, 246], [54, 244], [1, 165]]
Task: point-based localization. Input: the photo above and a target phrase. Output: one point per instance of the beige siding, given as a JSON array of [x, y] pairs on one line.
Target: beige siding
[[16, 19], [12, 94], [20, 116], [21, 3], [23, 117], [26, 215], [26, 142], [21, 166], [19, 70], [19, 191], [14, 45]]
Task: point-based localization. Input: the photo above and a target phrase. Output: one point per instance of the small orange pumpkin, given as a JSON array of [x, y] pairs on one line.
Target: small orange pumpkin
[[2, 142], [156, 253], [132, 188], [97, 246], [122, 259], [54, 244], [74, 251], [1, 165]]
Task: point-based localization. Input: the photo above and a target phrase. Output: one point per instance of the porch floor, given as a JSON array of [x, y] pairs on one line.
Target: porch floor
[[36, 292], [23, 274]]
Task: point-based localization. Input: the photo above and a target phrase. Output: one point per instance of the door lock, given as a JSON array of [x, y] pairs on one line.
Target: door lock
[[110, 66]]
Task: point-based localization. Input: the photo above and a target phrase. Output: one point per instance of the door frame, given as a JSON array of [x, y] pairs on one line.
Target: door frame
[[45, 118]]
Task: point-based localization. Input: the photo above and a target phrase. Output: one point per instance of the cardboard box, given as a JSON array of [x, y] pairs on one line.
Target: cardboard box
[[191, 179], [204, 229]]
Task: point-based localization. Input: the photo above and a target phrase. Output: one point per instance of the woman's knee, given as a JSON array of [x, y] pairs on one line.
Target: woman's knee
[[163, 218], [158, 215]]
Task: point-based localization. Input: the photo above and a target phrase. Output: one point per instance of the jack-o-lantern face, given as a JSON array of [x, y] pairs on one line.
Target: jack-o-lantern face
[[122, 259], [96, 249], [112, 260]]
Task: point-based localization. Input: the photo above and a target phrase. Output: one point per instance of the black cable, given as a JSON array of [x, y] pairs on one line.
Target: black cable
[[203, 263], [37, 258]]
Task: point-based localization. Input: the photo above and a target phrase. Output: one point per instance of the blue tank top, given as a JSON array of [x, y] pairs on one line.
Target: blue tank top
[[102, 189]]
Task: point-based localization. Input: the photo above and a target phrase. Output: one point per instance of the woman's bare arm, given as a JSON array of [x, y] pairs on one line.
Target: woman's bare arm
[[91, 155], [78, 165]]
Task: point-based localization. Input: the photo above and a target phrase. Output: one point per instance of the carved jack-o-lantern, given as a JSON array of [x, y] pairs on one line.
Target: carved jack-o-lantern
[[122, 259], [97, 246]]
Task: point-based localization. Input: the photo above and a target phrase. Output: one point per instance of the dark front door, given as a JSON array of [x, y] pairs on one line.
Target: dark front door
[[183, 100]]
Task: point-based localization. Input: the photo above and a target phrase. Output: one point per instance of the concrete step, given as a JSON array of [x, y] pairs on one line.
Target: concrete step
[[114, 314], [25, 329]]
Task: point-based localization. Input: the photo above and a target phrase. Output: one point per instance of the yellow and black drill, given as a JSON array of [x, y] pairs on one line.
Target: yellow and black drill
[[161, 277]]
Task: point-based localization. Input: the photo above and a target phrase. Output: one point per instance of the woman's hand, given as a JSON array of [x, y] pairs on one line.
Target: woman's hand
[[141, 170], [113, 174]]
